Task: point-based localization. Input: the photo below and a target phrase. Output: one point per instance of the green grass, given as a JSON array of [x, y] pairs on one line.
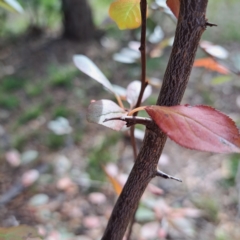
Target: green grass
[[30, 114], [54, 142], [233, 170], [61, 111], [33, 90], [62, 76], [8, 102], [11, 83], [210, 207]]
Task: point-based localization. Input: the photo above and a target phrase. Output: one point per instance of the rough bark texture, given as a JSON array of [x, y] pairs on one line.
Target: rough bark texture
[[191, 25], [77, 20]]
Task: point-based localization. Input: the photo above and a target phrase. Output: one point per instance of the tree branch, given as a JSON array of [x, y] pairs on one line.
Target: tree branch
[[191, 25]]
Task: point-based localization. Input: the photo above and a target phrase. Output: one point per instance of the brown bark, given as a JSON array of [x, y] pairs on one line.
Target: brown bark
[[77, 20], [191, 25]]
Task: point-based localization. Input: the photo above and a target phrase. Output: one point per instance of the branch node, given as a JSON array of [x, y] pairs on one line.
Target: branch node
[[131, 120], [166, 176]]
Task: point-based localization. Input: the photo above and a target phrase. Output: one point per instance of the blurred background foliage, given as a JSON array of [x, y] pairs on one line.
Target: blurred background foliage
[[43, 102]]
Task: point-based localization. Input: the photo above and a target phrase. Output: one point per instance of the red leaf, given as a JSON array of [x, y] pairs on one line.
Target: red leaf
[[211, 64], [201, 127], [174, 5]]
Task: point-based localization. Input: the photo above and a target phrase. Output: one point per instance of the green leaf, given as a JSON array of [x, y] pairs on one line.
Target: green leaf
[[11, 5]]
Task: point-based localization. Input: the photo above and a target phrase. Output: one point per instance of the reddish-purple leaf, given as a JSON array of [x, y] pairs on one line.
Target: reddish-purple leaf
[[104, 109], [200, 127], [174, 5]]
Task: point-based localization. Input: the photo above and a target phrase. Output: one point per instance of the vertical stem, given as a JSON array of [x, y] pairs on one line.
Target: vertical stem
[[191, 25], [142, 49]]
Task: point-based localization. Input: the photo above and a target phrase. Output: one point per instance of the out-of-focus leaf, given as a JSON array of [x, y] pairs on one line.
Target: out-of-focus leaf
[[13, 157], [86, 65], [126, 13], [154, 189], [174, 5], [157, 51], [20, 232], [145, 214], [120, 91], [157, 35], [183, 225], [29, 156], [133, 91], [139, 134], [39, 199], [155, 82], [91, 222], [114, 181], [30, 177], [65, 184], [60, 126], [150, 230], [127, 55], [214, 50], [11, 5], [220, 80], [104, 109], [164, 6], [201, 127], [211, 64], [119, 57], [134, 45], [97, 198]]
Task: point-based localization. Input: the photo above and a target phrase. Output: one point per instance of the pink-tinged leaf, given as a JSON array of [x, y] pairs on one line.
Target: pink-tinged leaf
[[174, 5], [120, 91], [200, 127], [30, 177], [86, 65], [104, 109], [133, 91]]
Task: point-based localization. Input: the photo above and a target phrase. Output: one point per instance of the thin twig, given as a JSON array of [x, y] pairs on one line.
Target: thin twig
[[166, 176], [142, 49], [211, 24], [131, 120]]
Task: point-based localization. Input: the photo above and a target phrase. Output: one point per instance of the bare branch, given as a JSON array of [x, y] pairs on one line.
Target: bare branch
[[131, 120]]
